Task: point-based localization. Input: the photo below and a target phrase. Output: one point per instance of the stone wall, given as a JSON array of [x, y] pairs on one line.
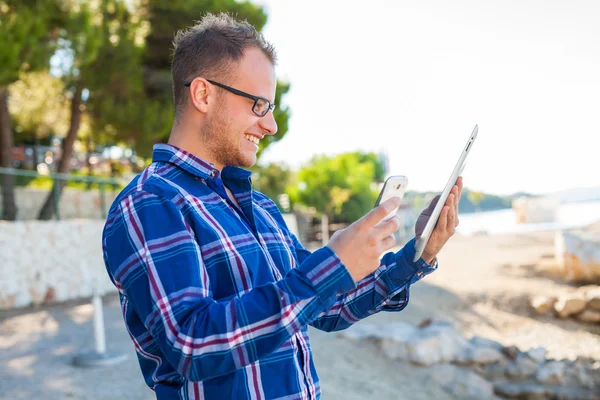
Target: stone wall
[[50, 261], [45, 262], [74, 203]]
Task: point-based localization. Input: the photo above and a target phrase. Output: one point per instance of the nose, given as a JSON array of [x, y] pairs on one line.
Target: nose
[[268, 124]]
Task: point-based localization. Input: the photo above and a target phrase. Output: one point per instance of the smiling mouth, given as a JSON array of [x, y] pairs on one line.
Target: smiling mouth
[[253, 139]]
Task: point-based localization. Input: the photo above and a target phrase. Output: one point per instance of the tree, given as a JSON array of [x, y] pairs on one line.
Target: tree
[[28, 30], [39, 108], [100, 41], [476, 198], [343, 187], [273, 180]]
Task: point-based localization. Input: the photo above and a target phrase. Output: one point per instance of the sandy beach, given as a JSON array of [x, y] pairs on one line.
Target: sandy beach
[[482, 287]]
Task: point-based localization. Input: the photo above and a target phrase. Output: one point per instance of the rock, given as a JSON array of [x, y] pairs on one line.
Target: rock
[[589, 316], [585, 289], [582, 377], [542, 304], [569, 305], [479, 355], [538, 354], [494, 372], [394, 349], [461, 383], [520, 390], [578, 252], [511, 352], [483, 342], [552, 373], [399, 331], [593, 298], [521, 368], [434, 344]]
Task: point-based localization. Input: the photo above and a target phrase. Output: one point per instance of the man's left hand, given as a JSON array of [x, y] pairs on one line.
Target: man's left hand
[[446, 224]]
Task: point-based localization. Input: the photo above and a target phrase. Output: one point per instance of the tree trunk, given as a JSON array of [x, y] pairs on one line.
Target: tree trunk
[[9, 207], [90, 167], [36, 150], [64, 165]]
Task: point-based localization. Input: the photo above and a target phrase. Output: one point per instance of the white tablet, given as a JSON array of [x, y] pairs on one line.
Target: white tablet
[[422, 241]]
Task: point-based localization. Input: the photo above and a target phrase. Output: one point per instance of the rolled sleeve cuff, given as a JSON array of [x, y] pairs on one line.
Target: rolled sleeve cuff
[[407, 271], [327, 274]]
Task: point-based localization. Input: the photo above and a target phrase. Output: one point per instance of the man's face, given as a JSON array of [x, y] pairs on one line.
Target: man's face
[[233, 129]]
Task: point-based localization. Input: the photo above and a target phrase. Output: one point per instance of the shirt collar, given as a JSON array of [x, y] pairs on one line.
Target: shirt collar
[[194, 164]]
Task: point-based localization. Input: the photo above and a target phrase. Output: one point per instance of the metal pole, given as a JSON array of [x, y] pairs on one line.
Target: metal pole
[[102, 201], [55, 196], [325, 229], [99, 324], [100, 357]]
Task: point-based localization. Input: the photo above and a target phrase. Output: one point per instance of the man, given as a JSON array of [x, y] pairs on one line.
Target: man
[[216, 292]]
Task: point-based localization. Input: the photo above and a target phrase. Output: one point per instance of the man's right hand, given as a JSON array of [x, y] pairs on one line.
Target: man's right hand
[[361, 244]]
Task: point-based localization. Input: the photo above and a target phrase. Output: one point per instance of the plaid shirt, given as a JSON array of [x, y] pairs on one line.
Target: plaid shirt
[[217, 299]]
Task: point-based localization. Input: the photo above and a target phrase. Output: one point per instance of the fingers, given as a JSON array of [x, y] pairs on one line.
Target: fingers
[[387, 228], [378, 213], [459, 183], [388, 242], [442, 223]]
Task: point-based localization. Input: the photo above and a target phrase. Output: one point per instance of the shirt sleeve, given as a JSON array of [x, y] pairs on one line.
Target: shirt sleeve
[[155, 262], [386, 289]]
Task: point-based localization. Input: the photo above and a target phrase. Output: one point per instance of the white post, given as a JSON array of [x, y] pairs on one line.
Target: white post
[[98, 323], [324, 229]]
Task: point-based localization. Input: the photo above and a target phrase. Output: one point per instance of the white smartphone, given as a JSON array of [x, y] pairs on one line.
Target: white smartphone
[[394, 186], [422, 242]]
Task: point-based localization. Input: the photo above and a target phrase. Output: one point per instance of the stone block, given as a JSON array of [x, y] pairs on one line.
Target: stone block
[[578, 255]]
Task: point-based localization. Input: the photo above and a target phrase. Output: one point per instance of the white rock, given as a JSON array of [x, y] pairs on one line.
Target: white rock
[[569, 305], [394, 349], [589, 315], [538, 354], [483, 355], [593, 298], [484, 342], [461, 383], [435, 344], [478, 355], [552, 373], [398, 331], [542, 304]]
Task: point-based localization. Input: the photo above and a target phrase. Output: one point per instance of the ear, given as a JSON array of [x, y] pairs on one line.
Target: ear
[[199, 94]]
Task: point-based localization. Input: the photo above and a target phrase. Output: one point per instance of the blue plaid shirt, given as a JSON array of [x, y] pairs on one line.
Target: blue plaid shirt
[[217, 299]]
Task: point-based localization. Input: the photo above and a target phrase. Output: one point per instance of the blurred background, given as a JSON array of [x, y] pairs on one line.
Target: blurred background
[[365, 91]]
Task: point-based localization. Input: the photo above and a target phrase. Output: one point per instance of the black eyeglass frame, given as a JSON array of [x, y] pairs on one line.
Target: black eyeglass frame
[[271, 106]]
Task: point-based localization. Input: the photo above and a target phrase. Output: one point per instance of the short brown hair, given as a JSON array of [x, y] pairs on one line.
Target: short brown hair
[[210, 49]]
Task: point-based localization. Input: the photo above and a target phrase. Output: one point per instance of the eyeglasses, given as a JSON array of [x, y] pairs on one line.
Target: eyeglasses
[[261, 105]]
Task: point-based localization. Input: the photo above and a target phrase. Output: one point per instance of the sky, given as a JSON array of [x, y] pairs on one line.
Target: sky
[[412, 78]]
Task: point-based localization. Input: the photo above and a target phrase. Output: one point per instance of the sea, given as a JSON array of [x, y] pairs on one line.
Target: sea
[[568, 216]]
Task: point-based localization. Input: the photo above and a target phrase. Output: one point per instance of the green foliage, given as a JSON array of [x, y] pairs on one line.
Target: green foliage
[[46, 183], [120, 49], [166, 17], [39, 106], [121, 113], [27, 37], [343, 186], [273, 180]]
